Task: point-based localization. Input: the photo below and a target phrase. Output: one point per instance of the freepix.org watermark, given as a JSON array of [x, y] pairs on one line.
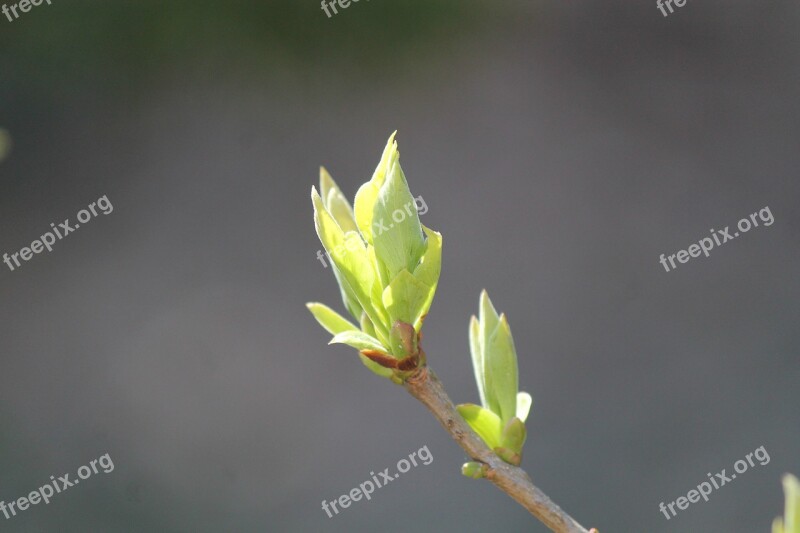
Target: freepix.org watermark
[[398, 216], [718, 480], [330, 5], [706, 244], [56, 486], [62, 230], [366, 488], [668, 3], [24, 6]]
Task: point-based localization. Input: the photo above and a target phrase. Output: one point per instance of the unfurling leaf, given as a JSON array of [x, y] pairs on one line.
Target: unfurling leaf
[[427, 273], [335, 202], [387, 266], [367, 194], [501, 368], [477, 358], [524, 402], [396, 232], [330, 319], [485, 423], [358, 340], [404, 297], [494, 361], [790, 523], [349, 254]]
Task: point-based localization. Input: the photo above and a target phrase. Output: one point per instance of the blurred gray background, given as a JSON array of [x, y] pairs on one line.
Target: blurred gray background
[[560, 150]]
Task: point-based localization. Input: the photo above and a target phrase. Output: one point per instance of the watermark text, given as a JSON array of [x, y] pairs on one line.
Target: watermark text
[[56, 486], [718, 480], [706, 244], [48, 239], [366, 488]]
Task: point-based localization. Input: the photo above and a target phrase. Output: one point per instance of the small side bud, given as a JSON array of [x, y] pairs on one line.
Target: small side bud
[[474, 470]]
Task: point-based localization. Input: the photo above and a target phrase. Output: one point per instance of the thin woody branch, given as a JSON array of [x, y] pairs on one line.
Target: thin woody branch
[[388, 277], [426, 387]]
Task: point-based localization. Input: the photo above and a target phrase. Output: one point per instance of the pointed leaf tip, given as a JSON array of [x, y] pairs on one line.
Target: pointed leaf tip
[[358, 340], [501, 368], [524, 402], [329, 319]]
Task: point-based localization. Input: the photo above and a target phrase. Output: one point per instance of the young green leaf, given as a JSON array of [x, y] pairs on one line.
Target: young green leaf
[[513, 436], [359, 340], [350, 256], [477, 358], [790, 522], [404, 297], [382, 371], [386, 264], [335, 202], [341, 211], [427, 272], [367, 194], [485, 423], [330, 319], [396, 231], [366, 325], [488, 319], [791, 487], [383, 279], [501, 369], [524, 402], [326, 183], [348, 296]]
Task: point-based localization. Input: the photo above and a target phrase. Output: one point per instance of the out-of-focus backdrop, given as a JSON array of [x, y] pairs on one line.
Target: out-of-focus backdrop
[[560, 150]]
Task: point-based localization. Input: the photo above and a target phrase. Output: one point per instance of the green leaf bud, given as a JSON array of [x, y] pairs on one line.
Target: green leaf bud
[[387, 266], [474, 470]]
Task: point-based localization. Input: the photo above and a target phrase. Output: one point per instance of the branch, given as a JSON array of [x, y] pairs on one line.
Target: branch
[[426, 387]]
